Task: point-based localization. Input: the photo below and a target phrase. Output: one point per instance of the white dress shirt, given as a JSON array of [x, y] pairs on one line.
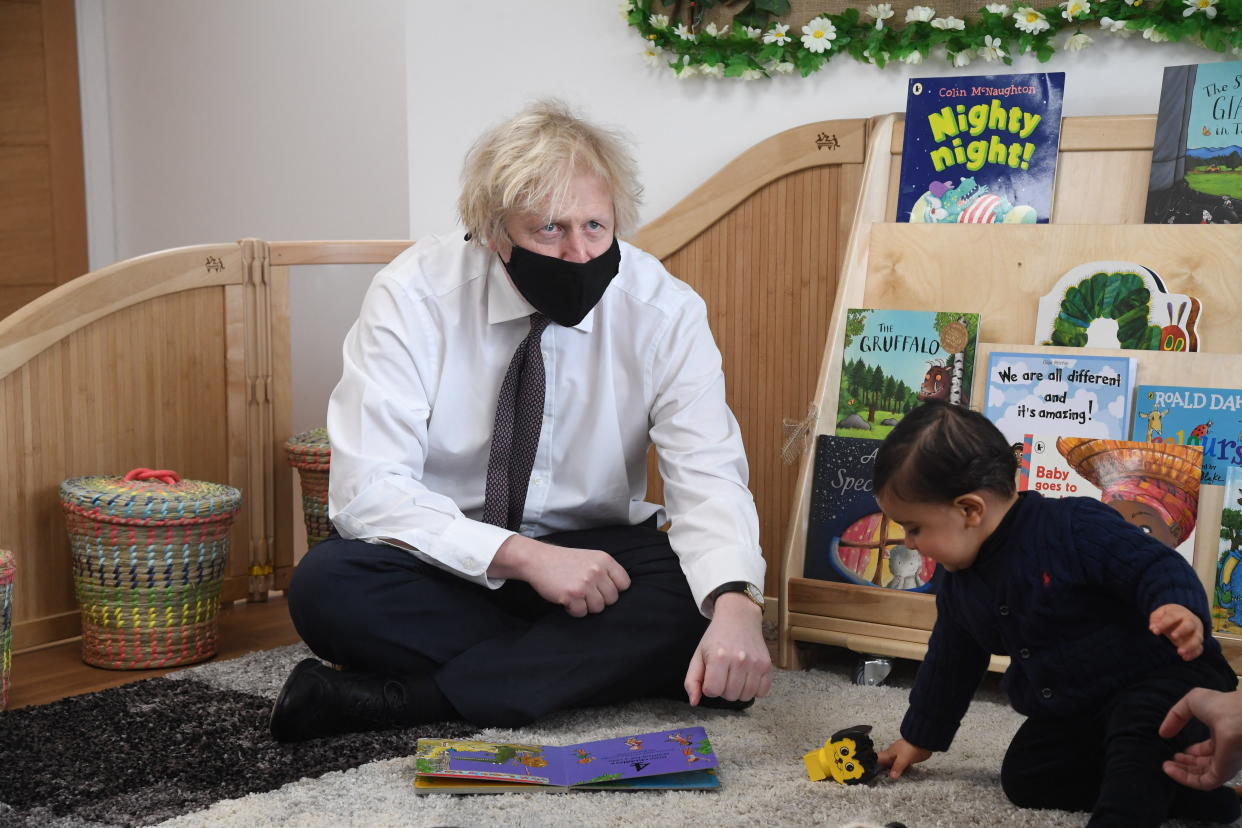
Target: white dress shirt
[[411, 420]]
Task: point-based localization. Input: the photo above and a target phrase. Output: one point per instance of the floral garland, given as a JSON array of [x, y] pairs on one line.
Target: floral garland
[[1000, 33]]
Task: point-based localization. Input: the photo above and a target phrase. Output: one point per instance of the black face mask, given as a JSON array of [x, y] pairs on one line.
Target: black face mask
[[563, 291]]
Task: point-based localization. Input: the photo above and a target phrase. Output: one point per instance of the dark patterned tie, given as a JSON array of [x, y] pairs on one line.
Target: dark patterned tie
[[519, 416]]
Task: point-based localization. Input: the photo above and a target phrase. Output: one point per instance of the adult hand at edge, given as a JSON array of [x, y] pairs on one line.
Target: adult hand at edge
[[1214, 761]]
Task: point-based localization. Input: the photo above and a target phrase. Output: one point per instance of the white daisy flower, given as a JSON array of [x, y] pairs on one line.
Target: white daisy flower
[[919, 14], [998, 8], [651, 55], [782, 67], [753, 33], [683, 31], [1077, 42], [1208, 7], [1029, 20], [1074, 8], [1134, 2], [991, 49], [1154, 36], [881, 12], [623, 8], [658, 21], [1110, 25], [779, 34], [688, 70], [949, 22], [714, 31], [712, 70], [961, 59], [817, 36], [914, 58], [751, 74]]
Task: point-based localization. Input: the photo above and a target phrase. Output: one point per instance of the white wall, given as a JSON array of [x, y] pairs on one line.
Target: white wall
[[684, 130], [281, 119]]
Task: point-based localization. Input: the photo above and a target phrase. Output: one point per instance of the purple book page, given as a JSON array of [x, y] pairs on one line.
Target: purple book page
[[646, 754]]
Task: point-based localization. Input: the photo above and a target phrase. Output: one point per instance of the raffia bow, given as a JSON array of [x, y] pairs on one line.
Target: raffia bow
[[798, 434]]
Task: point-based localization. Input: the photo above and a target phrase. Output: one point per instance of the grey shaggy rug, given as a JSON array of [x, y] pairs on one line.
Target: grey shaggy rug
[[760, 750]]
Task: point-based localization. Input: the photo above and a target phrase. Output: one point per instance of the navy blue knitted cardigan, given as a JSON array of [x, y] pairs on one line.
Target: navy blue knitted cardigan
[[1064, 586]]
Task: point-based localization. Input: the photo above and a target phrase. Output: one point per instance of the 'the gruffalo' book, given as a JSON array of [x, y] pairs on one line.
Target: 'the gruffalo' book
[[980, 149], [894, 359], [1196, 161], [848, 538], [667, 759]]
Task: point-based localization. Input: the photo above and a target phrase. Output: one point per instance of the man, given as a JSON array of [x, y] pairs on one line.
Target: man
[[495, 561]]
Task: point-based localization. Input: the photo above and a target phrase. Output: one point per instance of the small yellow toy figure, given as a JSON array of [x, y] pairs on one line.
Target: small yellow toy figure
[[848, 757]]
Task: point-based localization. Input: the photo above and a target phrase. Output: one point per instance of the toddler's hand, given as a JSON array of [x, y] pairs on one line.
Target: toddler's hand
[[1181, 626], [901, 755]]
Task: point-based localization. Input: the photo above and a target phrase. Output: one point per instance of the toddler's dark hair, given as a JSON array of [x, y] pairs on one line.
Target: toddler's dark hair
[[938, 452]]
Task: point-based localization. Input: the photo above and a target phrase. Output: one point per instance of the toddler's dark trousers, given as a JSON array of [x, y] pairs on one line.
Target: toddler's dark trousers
[[1110, 763], [501, 657]]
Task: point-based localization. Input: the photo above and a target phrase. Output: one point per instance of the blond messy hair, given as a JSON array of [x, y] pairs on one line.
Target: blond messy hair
[[527, 164]]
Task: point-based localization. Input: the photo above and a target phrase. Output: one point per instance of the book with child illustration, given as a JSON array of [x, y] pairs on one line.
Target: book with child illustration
[[980, 149], [848, 538], [1153, 485], [1196, 159], [894, 359], [681, 759], [1227, 594], [1190, 415], [1080, 396]]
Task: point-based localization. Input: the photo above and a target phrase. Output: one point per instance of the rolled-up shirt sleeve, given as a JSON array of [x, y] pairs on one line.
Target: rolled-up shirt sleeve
[[714, 527], [377, 424]]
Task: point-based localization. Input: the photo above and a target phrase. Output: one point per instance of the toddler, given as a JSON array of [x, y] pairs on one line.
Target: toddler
[[1105, 627]]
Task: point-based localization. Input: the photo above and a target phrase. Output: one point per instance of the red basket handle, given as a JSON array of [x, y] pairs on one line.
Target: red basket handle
[[163, 475]]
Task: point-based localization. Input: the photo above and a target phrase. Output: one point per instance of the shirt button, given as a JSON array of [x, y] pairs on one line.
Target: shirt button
[[1004, 610], [1046, 692], [537, 481], [1024, 652]]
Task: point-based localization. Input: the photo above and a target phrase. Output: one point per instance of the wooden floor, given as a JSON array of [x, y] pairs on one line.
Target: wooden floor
[[45, 675]]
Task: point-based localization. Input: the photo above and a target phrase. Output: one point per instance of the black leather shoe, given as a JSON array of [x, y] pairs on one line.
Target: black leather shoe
[[717, 703], [318, 701]]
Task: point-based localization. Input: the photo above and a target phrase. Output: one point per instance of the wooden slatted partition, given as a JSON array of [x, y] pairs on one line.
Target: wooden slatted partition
[[762, 243], [142, 363]]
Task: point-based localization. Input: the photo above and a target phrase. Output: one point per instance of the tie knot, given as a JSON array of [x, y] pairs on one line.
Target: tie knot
[[538, 322]]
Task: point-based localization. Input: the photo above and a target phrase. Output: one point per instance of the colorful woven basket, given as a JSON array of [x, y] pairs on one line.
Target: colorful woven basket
[[8, 569], [311, 455], [149, 552]]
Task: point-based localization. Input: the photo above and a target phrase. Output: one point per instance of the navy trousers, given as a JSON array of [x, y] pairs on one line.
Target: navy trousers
[[1110, 763], [501, 657]]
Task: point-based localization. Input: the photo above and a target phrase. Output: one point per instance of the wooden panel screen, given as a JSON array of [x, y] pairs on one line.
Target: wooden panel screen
[[766, 264]]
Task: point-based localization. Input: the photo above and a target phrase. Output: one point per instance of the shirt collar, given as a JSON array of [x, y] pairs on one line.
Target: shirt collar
[[504, 303]]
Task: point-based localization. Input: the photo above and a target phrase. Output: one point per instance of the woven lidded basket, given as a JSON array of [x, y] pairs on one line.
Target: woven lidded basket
[[311, 455], [8, 569], [149, 552]]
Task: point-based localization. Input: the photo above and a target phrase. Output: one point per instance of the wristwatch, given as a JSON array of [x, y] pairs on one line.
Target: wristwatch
[[754, 593]]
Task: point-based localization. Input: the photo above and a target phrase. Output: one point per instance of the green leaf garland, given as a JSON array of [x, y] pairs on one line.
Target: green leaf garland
[[1000, 32]]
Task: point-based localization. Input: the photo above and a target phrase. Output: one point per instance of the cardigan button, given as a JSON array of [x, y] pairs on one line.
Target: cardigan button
[[1046, 692], [1004, 610], [1024, 652]]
